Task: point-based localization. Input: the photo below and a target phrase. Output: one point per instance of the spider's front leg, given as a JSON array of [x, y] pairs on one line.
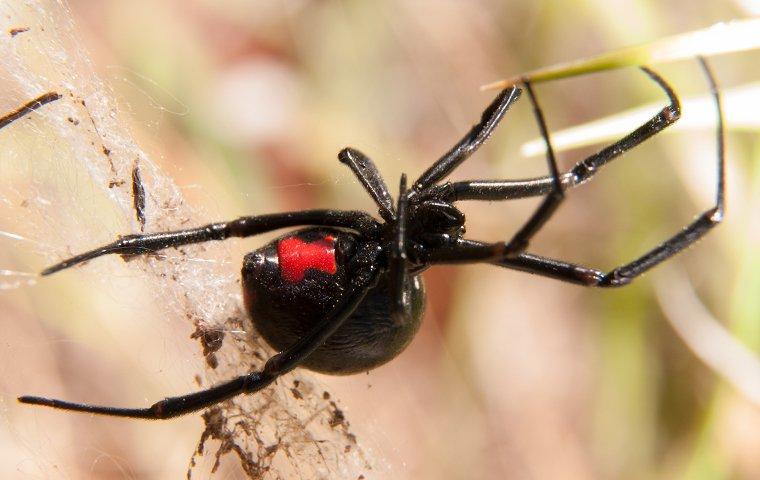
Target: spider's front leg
[[477, 135], [624, 274], [365, 278], [552, 201], [470, 251], [583, 171], [241, 227], [586, 168]]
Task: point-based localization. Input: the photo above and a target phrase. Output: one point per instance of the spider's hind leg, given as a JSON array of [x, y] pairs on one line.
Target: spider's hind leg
[[277, 365]]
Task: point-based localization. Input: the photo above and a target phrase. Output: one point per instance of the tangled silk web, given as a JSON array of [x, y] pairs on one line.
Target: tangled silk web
[[73, 161]]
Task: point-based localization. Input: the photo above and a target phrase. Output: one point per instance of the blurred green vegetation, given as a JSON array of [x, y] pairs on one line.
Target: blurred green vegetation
[[400, 80], [246, 104]]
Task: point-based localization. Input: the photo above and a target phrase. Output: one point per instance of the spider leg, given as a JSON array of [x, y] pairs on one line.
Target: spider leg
[[366, 171], [277, 365], [583, 171], [241, 227], [397, 265], [470, 251], [624, 274], [551, 202], [28, 107], [494, 190], [556, 269], [479, 133]]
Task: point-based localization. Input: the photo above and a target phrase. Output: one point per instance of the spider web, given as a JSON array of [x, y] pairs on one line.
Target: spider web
[[67, 184]]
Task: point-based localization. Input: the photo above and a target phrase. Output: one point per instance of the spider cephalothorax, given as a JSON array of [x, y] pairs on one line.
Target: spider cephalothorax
[[345, 294]]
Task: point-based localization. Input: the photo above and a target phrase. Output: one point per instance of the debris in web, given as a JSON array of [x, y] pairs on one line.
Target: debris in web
[[75, 156]]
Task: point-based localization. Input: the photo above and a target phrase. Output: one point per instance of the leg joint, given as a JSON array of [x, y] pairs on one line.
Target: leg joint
[[613, 279]]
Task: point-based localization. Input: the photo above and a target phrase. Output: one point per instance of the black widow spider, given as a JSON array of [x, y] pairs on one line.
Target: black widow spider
[[345, 295]]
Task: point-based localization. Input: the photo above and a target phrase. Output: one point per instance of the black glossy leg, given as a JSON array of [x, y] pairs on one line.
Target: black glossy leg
[[551, 202], [241, 227], [622, 275], [28, 107], [585, 169], [494, 190], [491, 190], [366, 171], [471, 251], [398, 262], [552, 268], [699, 227], [471, 142], [277, 365]]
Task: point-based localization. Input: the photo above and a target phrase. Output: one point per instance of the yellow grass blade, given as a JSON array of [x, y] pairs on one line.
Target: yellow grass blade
[[733, 36]]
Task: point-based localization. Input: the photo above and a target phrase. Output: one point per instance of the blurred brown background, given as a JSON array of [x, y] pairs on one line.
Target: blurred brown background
[[246, 104]]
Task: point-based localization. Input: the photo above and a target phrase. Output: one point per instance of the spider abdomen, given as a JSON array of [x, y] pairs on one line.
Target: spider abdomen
[[295, 281]]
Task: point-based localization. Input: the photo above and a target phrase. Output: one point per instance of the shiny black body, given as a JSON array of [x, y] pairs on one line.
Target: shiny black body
[[284, 311], [345, 295]]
